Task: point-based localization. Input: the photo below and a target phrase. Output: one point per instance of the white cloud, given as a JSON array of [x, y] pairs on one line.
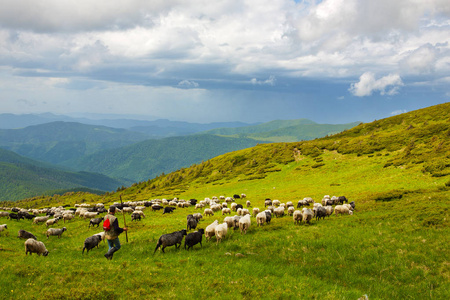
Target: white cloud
[[398, 112], [188, 84], [270, 81], [367, 85]]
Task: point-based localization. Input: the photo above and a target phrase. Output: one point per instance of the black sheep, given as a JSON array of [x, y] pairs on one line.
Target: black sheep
[[168, 209], [191, 222], [239, 206], [95, 221], [193, 239], [91, 242], [321, 212], [26, 235], [170, 239], [268, 216], [236, 196], [135, 216], [15, 216], [352, 204], [157, 207], [342, 199]]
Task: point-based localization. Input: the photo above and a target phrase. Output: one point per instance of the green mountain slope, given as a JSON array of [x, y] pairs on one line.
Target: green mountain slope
[[22, 178], [150, 158], [394, 246], [57, 142], [284, 130]]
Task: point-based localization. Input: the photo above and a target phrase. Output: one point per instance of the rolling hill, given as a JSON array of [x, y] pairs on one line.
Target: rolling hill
[[150, 158], [57, 142], [394, 246], [23, 178]]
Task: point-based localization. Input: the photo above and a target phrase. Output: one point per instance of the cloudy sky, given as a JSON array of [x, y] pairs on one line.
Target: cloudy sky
[[332, 61]]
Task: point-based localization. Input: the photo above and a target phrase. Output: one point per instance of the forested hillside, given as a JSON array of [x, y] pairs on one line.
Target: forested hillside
[[22, 178]]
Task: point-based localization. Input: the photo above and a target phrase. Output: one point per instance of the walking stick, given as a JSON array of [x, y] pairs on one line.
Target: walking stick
[[124, 223]]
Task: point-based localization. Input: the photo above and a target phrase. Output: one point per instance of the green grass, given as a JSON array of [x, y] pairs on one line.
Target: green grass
[[395, 246]]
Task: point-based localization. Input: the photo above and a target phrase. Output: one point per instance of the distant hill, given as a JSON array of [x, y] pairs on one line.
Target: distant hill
[[152, 128], [23, 177], [284, 130], [57, 142], [150, 158]]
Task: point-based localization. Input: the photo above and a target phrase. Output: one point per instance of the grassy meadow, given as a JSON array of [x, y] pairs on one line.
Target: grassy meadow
[[395, 246]]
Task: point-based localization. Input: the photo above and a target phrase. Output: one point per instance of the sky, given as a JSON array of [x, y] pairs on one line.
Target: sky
[[331, 61]]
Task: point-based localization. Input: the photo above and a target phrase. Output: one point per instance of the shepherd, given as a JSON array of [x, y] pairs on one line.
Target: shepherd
[[112, 232]]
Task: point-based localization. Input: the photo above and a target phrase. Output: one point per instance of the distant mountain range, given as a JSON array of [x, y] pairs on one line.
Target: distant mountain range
[[124, 156]]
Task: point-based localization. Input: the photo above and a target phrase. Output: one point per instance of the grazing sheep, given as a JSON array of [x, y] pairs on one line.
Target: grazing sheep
[[170, 239], [135, 216], [268, 216], [91, 242], [38, 220], [321, 212], [127, 210], [353, 204], [342, 199], [198, 216], [193, 238], [291, 210], [267, 202], [297, 216], [221, 231], [33, 246], [90, 215], [236, 222], [95, 221], [67, 217], [244, 224], [307, 215], [50, 222], [55, 231], [101, 235], [341, 209], [226, 211], [26, 235], [191, 222], [301, 203], [329, 210], [255, 211], [208, 212], [261, 218], [279, 212], [4, 214], [16, 217], [229, 221], [216, 207], [238, 206], [3, 227], [210, 230], [289, 204], [233, 206], [248, 203], [276, 202], [168, 209]]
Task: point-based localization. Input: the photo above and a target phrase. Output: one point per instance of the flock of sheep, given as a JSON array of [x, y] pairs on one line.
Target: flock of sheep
[[224, 205]]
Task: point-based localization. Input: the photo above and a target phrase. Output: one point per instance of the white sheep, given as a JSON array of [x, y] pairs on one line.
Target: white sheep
[[255, 211], [216, 207], [348, 206], [233, 206], [244, 212], [261, 218], [33, 246], [221, 231], [3, 227], [210, 230], [50, 222], [297, 216], [248, 203], [291, 210], [198, 216], [341, 209], [226, 211], [307, 214], [229, 221], [208, 212], [38, 220], [279, 211], [244, 224], [276, 202], [55, 231], [329, 210], [102, 235], [4, 214]]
